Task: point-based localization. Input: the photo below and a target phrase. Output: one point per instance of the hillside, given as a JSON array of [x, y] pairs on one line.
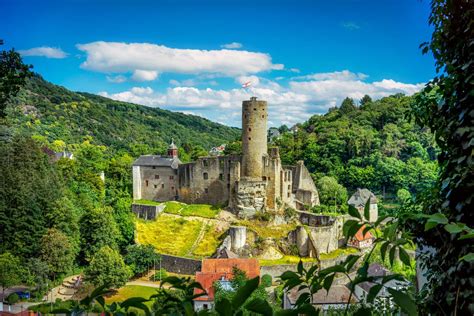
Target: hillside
[[59, 114], [376, 145]]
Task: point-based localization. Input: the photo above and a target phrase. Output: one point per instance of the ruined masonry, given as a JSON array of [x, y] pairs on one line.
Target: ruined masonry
[[255, 181]]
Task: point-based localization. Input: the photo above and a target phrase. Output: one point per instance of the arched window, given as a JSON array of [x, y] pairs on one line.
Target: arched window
[[205, 175]]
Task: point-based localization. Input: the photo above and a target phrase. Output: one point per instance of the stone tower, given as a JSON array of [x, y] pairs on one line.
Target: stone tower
[[254, 138]]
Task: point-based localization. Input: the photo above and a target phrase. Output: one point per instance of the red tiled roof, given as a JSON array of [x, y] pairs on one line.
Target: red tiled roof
[[216, 269], [359, 236]]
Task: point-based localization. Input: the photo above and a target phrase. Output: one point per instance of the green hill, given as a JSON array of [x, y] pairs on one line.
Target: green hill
[[56, 113]]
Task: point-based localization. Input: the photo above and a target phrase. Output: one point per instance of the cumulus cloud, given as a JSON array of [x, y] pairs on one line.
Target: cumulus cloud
[[144, 75], [233, 45], [116, 79], [115, 57], [44, 51], [287, 104]]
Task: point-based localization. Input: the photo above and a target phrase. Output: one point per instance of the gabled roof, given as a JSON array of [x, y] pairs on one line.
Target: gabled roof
[[157, 161], [360, 197], [213, 270], [359, 236]]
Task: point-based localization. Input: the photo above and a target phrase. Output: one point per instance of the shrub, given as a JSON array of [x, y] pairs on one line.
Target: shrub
[[266, 280], [13, 298], [290, 212], [263, 216], [156, 276]]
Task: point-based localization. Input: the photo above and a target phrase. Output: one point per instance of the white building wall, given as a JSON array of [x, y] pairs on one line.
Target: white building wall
[[137, 183]]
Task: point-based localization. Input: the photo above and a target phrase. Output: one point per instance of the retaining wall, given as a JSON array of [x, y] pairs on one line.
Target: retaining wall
[[180, 264], [147, 212]]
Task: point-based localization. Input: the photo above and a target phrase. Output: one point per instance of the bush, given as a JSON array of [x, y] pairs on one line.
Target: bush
[[266, 280], [156, 276], [13, 298], [290, 212], [263, 216]]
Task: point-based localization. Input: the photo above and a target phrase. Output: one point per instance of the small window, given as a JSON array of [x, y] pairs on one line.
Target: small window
[[264, 178], [263, 116], [228, 176], [250, 129], [162, 185], [205, 163], [255, 109], [172, 188], [289, 187], [171, 177], [250, 138], [146, 182], [221, 176], [205, 175], [228, 185], [157, 176], [206, 190], [288, 194], [204, 306], [269, 178], [154, 167]]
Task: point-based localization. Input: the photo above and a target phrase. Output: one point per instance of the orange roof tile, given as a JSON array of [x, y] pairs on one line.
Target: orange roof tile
[[359, 236], [216, 269]]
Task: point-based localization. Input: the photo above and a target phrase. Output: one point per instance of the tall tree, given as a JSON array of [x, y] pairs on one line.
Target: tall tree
[[57, 251], [446, 107], [107, 269], [10, 271], [331, 192], [366, 99], [141, 257], [13, 75], [347, 106]]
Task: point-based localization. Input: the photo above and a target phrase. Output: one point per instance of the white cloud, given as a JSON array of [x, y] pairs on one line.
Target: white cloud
[[287, 105], [144, 75], [44, 51], [233, 45], [114, 57], [351, 25], [344, 75], [116, 79]]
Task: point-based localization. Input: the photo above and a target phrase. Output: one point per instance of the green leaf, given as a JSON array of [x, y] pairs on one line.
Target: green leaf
[[244, 292], [347, 226], [453, 228], [367, 210], [469, 257], [404, 301], [300, 267], [354, 212], [350, 261], [383, 249], [328, 281], [289, 275], [259, 306], [404, 257], [223, 307], [374, 290], [466, 236], [392, 255]]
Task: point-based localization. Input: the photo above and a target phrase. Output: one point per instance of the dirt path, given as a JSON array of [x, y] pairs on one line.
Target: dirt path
[[198, 239]]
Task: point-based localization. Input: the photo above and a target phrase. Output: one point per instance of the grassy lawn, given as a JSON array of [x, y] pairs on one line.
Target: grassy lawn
[[146, 202], [287, 259], [338, 252], [169, 235], [202, 210], [265, 231], [209, 243], [131, 291]]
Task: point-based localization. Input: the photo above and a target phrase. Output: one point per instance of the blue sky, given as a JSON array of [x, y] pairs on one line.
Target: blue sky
[[193, 56]]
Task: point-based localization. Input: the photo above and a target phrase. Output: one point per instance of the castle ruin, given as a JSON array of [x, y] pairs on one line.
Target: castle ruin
[[255, 181]]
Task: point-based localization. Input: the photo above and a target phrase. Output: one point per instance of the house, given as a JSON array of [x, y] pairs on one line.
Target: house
[[336, 298], [273, 134], [361, 240], [220, 270], [217, 151], [361, 290], [359, 200]]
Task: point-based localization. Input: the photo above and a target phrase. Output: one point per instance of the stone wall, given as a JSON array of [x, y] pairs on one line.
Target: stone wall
[[180, 265], [250, 197], [276, 270], [158, 183], [147, 212], [314, 220], [324, 238]]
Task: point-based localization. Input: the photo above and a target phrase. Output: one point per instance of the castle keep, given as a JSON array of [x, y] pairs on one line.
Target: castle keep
[[252, 182]]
